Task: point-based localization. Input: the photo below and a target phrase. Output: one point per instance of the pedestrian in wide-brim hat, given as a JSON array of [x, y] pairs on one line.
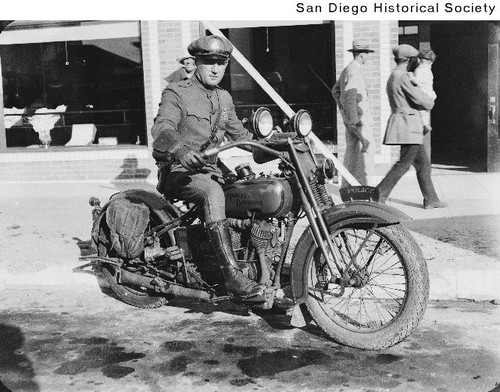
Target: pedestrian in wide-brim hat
[[351, 95], [360, 46]]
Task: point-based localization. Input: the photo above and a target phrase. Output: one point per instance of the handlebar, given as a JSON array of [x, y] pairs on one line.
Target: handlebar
[[214, 151]]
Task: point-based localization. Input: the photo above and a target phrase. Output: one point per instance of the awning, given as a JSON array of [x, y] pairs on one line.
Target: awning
[[27, 32]]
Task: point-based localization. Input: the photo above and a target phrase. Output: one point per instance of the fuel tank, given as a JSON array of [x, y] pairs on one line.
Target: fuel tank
[[266, 197]]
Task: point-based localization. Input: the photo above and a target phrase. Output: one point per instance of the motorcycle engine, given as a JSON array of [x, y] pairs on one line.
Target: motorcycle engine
[[267, 237]]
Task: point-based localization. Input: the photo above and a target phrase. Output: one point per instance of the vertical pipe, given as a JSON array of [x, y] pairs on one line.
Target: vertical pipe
[[3, 136]]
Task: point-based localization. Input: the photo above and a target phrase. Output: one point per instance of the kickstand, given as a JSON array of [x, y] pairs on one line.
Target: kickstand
[[297, 320]]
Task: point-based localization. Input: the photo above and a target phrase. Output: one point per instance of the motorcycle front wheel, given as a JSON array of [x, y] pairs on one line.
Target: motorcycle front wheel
[[383, 295]]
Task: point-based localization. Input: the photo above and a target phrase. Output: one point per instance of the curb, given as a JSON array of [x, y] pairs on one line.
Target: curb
[[459, 273]]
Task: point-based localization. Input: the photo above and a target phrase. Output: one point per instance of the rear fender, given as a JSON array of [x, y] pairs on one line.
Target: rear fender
[[155, 202], [380, 213]]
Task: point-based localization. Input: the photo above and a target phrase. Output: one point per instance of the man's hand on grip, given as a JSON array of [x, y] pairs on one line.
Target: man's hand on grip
[[190, 159]]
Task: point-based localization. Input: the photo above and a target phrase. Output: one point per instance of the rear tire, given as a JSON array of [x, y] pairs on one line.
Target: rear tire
[[390, 298], [131, 295], [107, 275]]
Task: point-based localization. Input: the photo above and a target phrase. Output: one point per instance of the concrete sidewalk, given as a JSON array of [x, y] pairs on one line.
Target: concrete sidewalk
[[461, 242], [46, 226]]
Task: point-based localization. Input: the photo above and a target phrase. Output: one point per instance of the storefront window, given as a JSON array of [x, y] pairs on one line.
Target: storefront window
[[298, 63], [99, 81]]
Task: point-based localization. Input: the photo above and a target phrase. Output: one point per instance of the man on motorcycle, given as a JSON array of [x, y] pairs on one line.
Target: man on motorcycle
[[194, 115]]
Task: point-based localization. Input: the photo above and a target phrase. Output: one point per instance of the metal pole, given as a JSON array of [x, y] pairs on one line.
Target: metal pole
[[283, 105], [3, 136]]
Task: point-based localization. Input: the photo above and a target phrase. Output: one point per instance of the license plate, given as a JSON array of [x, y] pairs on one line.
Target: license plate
[[361, 192]]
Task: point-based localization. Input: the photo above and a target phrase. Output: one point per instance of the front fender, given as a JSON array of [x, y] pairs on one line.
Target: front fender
[[380, 213], [383, 213]]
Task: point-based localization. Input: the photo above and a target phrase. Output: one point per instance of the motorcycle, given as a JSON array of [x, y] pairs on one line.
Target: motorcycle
[[355, 270]]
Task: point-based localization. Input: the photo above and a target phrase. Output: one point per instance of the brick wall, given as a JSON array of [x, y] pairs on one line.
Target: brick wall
[[162, 42], [121, 164], [383, 35]]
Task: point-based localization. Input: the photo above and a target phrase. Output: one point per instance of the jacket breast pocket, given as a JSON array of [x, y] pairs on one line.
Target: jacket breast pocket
[[197, 115]]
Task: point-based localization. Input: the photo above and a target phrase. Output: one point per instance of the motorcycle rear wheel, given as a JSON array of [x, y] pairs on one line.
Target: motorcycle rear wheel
[[107, 275], [389, 287]]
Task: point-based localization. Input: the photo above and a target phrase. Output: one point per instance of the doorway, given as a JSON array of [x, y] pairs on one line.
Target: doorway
[[459, 121]]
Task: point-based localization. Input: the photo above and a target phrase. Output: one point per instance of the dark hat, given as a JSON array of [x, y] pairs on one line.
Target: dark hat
[[404, 51], [212, 46], [360, 45]]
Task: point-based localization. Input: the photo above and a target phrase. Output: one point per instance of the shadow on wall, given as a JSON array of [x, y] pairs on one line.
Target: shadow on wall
[[16, 370], [132, 171]]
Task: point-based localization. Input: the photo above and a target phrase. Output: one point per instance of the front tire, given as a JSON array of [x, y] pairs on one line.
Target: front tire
[[386, 294]]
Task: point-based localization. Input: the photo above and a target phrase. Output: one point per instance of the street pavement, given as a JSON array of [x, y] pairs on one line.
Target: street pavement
[[76, 339], [58, 332]]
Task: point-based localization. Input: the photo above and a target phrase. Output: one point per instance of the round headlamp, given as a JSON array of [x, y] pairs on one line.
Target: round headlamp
[[302, 123], [329, 168], [262, 122]]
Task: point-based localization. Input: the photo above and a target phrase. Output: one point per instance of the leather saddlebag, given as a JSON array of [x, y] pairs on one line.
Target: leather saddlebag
[[127, 221]]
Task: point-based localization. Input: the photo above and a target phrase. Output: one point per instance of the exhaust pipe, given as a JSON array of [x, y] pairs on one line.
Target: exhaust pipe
[[161, 286]]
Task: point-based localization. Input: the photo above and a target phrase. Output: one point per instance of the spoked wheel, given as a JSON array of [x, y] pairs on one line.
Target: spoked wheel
[[108, 278], [382, 293]]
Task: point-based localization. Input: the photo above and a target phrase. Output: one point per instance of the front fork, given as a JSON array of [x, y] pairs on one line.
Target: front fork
[[313, 212], [321, 235]]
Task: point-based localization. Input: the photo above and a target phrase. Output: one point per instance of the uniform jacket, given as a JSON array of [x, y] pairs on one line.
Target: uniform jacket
[[405, 124], [351, 96], [187, 114]]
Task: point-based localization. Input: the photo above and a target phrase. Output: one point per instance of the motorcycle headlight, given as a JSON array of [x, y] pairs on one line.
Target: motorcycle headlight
[[329, 168], [262, 122], [302, 123]]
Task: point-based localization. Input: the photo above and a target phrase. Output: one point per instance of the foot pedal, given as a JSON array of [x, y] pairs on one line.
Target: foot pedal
[[264, 300]]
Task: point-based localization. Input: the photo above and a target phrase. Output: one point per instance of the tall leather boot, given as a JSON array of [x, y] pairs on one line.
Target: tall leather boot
[[236, 282]]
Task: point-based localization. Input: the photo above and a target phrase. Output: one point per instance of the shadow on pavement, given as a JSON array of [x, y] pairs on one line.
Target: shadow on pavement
[[85, 246], [16, 370]]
